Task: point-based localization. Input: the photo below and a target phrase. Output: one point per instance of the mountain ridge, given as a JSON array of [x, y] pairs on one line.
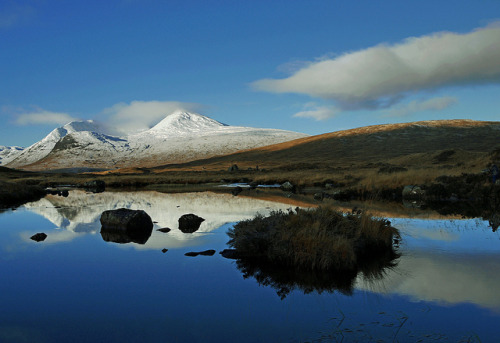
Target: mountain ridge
[[179, 137]]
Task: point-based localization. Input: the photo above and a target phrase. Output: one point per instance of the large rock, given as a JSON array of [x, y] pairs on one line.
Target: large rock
[[124, 225], [189, 223], [124, 219]]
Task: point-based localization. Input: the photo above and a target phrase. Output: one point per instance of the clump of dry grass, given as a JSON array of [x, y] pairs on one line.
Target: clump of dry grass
[[318, 239]]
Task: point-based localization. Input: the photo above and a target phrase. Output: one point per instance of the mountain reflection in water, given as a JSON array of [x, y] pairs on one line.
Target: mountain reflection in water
[[80, 213]]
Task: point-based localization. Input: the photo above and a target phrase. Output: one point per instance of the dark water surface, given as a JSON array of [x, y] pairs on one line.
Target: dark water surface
[[76, 287]]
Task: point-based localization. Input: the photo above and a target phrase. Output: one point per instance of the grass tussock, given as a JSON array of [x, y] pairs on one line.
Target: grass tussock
[[318, 239]]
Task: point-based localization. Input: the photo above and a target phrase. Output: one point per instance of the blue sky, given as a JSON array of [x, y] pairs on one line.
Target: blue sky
[[307, 66]]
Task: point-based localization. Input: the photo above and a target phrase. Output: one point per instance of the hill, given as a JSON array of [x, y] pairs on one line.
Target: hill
[[407, 144]]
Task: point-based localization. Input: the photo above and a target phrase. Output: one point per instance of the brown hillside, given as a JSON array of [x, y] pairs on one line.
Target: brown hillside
[[371, 144]]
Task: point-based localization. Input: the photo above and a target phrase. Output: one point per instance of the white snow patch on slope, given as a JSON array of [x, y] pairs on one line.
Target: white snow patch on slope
[[8, 153]]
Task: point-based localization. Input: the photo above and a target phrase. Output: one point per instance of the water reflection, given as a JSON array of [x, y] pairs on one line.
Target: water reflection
[[448, 262], [80, 212], [445, 261], [448, 273], [286, 280], [123, 237], [444, 278]]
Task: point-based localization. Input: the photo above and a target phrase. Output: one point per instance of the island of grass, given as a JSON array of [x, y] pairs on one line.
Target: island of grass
[[316, 239]]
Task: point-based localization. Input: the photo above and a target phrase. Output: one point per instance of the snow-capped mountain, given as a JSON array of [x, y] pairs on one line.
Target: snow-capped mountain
[[42, 148], [179, 137], [8, 153]]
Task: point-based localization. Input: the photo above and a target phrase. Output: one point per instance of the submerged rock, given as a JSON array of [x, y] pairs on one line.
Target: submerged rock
[[189, 223], [39, 237]]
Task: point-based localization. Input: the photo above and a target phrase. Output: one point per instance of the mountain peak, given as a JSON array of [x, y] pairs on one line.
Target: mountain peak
[[83, 125], [181, 122]]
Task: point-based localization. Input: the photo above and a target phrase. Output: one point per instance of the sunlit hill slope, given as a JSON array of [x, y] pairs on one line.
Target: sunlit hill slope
[[409, 144]]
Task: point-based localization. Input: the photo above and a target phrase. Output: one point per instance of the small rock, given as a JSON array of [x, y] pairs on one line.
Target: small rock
[[164, 250], [287, 187], [413, 192], [253, 185], [203, 253], [39, 237], [233, 168], [207, 252], [164, 229], [189, 223], [319, 196], [229, 253]]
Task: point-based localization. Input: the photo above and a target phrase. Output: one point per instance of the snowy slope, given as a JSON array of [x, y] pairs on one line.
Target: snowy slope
[[8, 153], [42, 148], [179, 137]]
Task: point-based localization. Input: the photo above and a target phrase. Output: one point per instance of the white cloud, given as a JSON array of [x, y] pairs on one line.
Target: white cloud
[[434, 104], [42, 117], [381, 76], [311, 110], [142, 115]]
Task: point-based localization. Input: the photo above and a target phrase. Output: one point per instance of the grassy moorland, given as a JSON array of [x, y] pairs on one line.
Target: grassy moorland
[[369, 162]]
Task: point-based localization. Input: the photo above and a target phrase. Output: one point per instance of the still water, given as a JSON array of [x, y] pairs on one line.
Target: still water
[[74, 286]]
